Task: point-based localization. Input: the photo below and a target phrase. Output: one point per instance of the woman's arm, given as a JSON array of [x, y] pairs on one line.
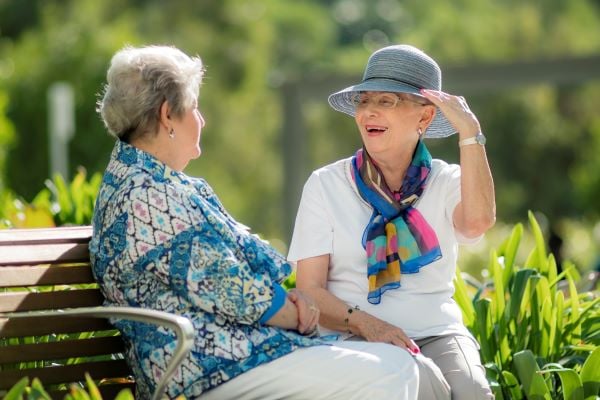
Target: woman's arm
[[298, 312], [476, 212], [312, 278]]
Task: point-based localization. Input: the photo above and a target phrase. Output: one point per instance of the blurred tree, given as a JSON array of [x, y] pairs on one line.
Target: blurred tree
[[247, 46], [7, 135], [252, 47]]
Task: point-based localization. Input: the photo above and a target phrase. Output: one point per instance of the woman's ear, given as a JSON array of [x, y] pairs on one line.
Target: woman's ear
[[165, 115], [427, 115]]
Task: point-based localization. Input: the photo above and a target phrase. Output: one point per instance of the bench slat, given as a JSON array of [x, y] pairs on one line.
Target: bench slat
[[62, 350], [47, 325], [70, 234], [67, 373], [37, 276], [26, 301], [29, 254], [39, 257]]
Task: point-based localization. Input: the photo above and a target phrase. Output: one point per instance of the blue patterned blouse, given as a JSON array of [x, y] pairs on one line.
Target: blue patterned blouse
[[163, 241]]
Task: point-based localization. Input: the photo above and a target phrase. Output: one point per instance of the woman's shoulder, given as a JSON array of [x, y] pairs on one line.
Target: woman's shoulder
[[336, 169], [443, 169]]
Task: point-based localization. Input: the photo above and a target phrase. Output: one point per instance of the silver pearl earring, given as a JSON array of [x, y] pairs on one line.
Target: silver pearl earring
[[420, 132], [171, 133]]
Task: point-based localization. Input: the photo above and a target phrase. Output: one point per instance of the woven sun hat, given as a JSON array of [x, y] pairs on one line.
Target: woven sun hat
[[401, 69]]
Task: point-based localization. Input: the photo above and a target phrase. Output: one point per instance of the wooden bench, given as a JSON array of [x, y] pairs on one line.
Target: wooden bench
[[52, 323]]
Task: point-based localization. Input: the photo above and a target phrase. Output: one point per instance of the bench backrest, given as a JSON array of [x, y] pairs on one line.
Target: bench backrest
[[49, 269]]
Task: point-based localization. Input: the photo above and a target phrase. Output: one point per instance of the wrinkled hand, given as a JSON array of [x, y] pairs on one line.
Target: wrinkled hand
[[308, 312], [375, 330], [456, 110]]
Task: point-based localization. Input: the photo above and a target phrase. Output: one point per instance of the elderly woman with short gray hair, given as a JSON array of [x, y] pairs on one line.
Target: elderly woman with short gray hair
[[377, 234], [162, 240]]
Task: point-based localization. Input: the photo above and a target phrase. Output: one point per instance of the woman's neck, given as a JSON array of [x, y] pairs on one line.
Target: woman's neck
[[394, 167]]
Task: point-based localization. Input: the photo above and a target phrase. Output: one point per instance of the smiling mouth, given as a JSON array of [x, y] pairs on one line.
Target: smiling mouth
[[376, 130]]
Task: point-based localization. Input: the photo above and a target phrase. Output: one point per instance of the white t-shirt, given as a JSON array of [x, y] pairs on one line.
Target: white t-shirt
[[331, 219]]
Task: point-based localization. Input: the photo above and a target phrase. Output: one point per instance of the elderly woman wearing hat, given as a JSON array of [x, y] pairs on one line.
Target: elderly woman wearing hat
[[377, 234], [162, 240]]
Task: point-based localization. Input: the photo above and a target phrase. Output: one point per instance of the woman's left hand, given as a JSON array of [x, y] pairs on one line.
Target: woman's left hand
[[308, 312], [456, 110]]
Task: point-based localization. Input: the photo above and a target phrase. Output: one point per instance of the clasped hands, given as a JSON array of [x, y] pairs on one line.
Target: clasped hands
[[308, 312]]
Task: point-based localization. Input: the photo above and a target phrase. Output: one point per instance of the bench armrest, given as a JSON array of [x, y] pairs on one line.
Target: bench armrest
[[182, 326]]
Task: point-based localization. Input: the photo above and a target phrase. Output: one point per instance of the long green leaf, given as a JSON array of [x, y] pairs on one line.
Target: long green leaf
[[37, 391], [462, 299], [546, 319], [512, 385], [590, 375], [18, 389], [570, 382], [574, 315], [483, 328], [510, 252], [517, 291], [540, 244], [499, 303], [528, 373]]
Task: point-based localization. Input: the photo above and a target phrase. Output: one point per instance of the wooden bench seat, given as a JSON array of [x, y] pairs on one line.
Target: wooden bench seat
[[52, 323]]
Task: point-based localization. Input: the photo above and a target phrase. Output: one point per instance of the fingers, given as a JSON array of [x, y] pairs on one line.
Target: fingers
[[456, 110], [308, 312]]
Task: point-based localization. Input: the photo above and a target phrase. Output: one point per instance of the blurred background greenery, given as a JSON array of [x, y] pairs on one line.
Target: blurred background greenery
[[543, 137]]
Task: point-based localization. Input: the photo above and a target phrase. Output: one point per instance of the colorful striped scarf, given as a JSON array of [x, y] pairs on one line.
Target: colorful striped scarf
[[397, 238]]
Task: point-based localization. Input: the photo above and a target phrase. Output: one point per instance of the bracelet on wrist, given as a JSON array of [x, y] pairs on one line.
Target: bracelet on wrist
[[347, 319]]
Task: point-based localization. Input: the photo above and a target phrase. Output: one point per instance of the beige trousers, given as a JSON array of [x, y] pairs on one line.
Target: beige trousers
[[449, 368], [457, 357]]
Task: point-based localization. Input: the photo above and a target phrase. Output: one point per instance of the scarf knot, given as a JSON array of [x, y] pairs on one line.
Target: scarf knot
[[397, 238]]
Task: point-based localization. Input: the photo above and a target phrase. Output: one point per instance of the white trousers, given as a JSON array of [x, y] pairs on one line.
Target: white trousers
[[346, 370]]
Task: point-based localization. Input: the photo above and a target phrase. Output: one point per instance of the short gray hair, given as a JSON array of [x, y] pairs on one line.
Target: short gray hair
[[139, 80]]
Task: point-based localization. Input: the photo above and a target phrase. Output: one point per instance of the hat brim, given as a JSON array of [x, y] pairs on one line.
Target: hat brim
[[341, 101]]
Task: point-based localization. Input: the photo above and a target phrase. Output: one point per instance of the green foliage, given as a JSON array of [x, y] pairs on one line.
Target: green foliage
[[57, 204], [7, 135], [22, 390], [253, 47], [532, 322]]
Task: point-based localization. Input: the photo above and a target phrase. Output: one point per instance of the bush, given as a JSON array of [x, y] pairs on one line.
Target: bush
[[536, 338], [36, 391], [57, 204]]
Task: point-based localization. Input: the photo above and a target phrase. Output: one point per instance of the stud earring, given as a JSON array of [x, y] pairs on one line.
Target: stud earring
[[171, 133], [420, 132]]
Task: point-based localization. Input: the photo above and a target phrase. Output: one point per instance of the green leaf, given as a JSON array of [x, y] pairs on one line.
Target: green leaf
[[590, 375], [37, 391], [546, 319], [18, 389], [93, 389], [512, 384], [483, 328], [510, 252], [498, 287], [462, 299], [575, 312], [540, 245], [528, 373], [517, 291], [571, 383], [125, 394]]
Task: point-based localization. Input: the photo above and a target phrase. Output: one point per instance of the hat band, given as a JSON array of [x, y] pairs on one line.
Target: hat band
[[391, 79]]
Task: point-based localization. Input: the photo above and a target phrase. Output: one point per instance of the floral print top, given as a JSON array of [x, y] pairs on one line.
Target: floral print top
[[163, 241]]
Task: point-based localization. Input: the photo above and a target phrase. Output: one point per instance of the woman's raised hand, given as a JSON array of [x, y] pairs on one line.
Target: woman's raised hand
[[456, 110]]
